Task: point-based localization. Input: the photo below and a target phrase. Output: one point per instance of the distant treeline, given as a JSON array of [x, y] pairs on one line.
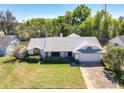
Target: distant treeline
[[79, 21]]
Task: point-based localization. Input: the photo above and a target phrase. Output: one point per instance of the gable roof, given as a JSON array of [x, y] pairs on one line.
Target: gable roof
[[36, 43], [61, 43], [73, 35], [118, 40], [6, 40], [80, 48]]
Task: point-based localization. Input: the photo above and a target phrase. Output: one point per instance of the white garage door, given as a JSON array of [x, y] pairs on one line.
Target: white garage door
[[88, 57]]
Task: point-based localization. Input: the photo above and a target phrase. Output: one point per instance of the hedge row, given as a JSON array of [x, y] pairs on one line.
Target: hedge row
[[54, 60]]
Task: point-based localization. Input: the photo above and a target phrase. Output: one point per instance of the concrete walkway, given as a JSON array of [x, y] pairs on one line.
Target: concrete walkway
[[95, 77]]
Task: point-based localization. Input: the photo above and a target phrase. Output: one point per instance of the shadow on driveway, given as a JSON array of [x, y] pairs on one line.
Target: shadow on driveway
[[91, 64]]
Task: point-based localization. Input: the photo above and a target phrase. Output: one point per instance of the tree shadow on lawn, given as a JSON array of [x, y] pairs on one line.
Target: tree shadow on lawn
[[9, 61]]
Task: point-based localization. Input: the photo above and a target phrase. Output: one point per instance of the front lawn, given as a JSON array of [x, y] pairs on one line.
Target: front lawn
[[25, 75]]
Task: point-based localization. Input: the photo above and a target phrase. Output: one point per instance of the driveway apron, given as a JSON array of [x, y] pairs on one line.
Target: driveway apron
[[95, 76]]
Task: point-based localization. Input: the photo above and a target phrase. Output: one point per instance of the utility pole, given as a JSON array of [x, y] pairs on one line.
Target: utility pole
[[105, 7]]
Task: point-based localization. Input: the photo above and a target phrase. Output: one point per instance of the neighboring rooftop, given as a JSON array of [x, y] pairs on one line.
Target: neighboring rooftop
[[6, 40], [121, 38], [118, 40]]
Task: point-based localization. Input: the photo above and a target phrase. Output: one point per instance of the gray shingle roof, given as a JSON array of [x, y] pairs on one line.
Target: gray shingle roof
[[118, 40], [67, 44], [61, 43], [6, 40], [36, 43]]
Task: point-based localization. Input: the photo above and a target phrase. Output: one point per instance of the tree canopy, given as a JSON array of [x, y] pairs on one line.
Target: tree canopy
[[79, 21], [7, 22]]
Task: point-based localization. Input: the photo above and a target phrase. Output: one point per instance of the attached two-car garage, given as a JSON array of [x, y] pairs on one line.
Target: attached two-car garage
[[88, 57]]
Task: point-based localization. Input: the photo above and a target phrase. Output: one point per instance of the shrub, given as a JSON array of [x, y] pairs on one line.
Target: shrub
[[114, 59], [114, 62], [54, 60], [77, 62], [33, 59]]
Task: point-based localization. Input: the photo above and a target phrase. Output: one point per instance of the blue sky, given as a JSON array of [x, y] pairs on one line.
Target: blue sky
[[27, 11]]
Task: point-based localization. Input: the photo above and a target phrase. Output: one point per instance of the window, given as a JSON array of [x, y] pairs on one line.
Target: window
[[69, 54], [89, 48], [55, 53], [36, 51]]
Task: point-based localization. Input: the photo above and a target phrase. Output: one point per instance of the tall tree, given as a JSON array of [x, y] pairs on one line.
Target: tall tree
[[103, 23], [87, 27], [98, 19], [7, 22], [68, 17], [80, 14], [106, 26], [122, 27]]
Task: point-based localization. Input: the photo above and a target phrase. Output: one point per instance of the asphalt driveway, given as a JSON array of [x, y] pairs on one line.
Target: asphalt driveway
[[95, 76]]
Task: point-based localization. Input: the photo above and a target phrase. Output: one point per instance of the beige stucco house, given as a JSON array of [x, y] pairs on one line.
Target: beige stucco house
[[81, 48]]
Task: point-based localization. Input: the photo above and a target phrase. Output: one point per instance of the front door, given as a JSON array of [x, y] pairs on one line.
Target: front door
[[70, 54]]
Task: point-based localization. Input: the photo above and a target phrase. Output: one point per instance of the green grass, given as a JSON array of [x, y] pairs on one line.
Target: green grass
[[24, 75]]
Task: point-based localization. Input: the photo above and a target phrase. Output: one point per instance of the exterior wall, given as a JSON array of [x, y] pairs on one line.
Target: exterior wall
[[62, 54], [66, 54], [76, 56], [43, 54], [30, 52], [73, 55], [101, 56], [49, 54]]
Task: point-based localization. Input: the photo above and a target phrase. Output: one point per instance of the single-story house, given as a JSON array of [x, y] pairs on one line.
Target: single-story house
[[7, 43], [117, 41], [81, 48]]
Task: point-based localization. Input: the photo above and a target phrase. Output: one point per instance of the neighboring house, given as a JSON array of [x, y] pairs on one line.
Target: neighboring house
[[118, 41], [81, 48], [7, 43]]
